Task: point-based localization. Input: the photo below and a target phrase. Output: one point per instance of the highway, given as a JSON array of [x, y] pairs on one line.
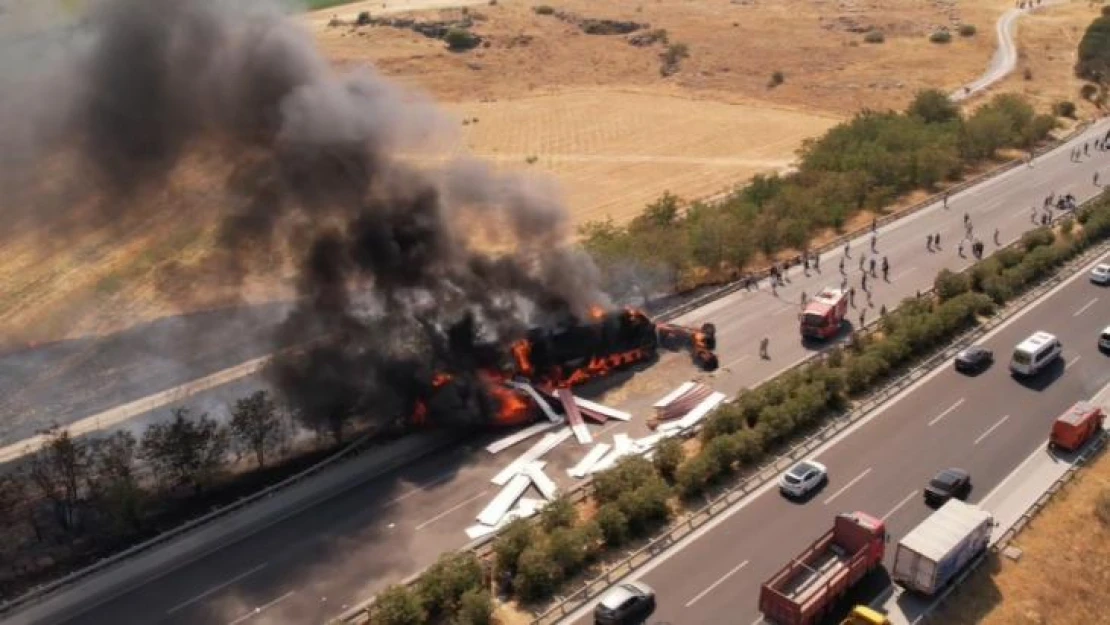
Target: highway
[[988, 424], [307, 566]]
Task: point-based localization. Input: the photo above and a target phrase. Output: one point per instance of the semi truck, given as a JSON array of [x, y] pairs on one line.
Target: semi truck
[[823, 315], [806, 589], [935, 551]]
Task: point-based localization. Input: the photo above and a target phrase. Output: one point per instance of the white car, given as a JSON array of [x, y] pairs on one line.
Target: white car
[[803, 478], [1104, 339], [1101, 274]]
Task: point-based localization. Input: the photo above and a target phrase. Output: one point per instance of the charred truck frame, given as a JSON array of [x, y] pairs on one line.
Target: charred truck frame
[[560, 357]]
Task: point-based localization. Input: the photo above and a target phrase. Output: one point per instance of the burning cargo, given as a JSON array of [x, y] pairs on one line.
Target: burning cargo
[[556, 357]]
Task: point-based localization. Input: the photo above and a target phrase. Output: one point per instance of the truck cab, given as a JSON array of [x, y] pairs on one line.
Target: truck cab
[[824, 314], [1075, 427]]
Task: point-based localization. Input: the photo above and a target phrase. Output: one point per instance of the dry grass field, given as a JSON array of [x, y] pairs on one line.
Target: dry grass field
[[1063, 576], [591, 110]]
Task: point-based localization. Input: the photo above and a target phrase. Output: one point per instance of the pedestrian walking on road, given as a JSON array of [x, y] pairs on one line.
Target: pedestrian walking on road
[[841, 264], [960, 249], [1033, 215], [872, 266], [874, 225], [863, 282], [874, 241], [929, 242], [1094, 178], [886, 269], [882, 310], [1085, 152], [996, 237], [946, 199], [967, 218], [847, 254], [817, 261], [852, 296], [844, 283], [869, 303], [861, 259], [936, 240], [862, 317], [763, 345], [804, 299], [774, 288]]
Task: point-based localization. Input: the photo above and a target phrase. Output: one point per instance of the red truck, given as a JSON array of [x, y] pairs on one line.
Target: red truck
[[1075, 427], [804, 591], [823, 314]]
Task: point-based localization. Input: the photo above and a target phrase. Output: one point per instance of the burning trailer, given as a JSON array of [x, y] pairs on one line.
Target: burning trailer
[[552, 358]]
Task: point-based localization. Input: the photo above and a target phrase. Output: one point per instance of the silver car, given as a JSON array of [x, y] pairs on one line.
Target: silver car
[[630, 602], [1101, 274], [803, 478]]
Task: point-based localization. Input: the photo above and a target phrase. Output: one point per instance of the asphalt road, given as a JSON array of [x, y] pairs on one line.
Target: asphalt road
[[987, 424], [308, 566]]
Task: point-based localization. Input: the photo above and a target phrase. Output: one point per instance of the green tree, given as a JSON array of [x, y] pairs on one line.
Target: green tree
[[613, 524], [475, 608], [460, 39], [114, 483], [933, 106], [398, 605], [558, 513], [668, 455], [1094, 51], [60, 468], [256, 426], [661, 213], [185, 451], [442, 585]]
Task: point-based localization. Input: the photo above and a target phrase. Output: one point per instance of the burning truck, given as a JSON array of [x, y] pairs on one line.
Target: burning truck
[[550, 358]]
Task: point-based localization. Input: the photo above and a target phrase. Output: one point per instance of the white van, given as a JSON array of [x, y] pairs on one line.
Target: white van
[[1104, 339], [1035, 353]]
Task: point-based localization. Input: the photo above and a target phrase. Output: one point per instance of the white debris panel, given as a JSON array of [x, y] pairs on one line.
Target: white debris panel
[[551, 415], [505, 500], [612, 413], [673, 395], [702, 410], [544, 445], [506, 442], [622, 446], [589, 460], [543, 483]]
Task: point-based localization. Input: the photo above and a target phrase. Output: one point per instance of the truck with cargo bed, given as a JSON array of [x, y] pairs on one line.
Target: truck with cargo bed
[[807, 588], [935, 551]]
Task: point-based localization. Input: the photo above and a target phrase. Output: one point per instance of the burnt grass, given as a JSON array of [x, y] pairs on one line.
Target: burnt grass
[[64, 381]]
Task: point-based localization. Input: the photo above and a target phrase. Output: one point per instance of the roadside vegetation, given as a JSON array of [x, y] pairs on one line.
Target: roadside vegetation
[[535, 559], [1049, 583], [79, 499], [864, 164], [1093, 62]]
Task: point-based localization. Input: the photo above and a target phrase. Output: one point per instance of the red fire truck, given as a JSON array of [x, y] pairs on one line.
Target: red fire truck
[[823, 314]]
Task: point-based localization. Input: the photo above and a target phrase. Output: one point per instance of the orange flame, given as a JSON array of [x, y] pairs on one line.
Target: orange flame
[[597, 313], [513, 409], [522, 354]]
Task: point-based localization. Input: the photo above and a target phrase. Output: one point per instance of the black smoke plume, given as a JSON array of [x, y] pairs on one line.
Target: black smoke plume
[[391, 286]]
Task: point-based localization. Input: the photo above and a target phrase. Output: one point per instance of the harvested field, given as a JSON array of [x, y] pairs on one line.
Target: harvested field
[[1064, 570]]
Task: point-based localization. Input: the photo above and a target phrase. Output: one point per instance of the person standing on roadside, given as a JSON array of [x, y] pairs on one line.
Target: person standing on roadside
[[763, 346]]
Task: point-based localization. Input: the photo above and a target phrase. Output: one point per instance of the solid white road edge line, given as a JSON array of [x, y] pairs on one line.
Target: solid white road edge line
[[847, 486], [1085, 307], [716, 583], [450, 510], [713, 523], [944, 414], [991, 429], [216, 589], [900, 504], [262, 608]]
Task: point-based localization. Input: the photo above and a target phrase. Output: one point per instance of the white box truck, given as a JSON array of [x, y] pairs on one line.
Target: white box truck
[[937, 549]]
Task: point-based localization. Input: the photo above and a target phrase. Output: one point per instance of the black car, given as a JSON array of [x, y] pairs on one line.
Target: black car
[[947, 484], [625, 604], [974, 359]]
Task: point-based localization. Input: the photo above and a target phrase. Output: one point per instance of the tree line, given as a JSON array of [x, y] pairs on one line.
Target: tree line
[[862, 164], [76, 495]]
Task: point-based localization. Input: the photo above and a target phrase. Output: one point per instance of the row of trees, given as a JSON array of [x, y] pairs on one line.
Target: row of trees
[[862, 164], [533, 559], [108, 489]]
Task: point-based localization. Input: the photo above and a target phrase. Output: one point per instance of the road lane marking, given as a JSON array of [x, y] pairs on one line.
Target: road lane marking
[[450, 510], [898, 276], [716, 583], [216, 589], [737, 361], [261, 608], [715, 522], [1072, 361], [947, 412], [1085, 307], [420, 488], [991, 429], [847, 486], [900, 504]]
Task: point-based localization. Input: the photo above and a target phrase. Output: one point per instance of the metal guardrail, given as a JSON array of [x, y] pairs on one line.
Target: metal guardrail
[[768, 471], [482, 547], [1022, 522], [41, 592]]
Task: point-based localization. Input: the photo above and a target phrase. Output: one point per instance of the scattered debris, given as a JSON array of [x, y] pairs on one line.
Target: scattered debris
[[544, 445], [679, 402], [587, 462], [506, 442], [588, 407], [540, 401], [581, 432], [505, 500], [543, 483]]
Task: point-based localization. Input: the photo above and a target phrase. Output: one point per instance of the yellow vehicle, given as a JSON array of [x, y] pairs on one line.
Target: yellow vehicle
[[863, 615]]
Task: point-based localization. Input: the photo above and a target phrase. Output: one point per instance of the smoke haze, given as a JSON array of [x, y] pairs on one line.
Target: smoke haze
[[390, 284]]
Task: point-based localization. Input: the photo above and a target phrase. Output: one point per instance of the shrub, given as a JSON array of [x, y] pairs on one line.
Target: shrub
[[1037, 238], [511, 542], [967, 30], [723, 452], [949, 284], [476, 605], [629, 474], [646, 507], [543, 9], [668, 455], [613, 524], [874, 36], [442, 586], [777, 78], [459, 39], [558, 513], [568, 549], [1088, 91], [694, 476], [933, 106], [1064, 108], [537, 575], [398, 605], [940, 36]]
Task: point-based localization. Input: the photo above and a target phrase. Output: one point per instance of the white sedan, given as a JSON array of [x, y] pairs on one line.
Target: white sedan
[[1101, 274], [803, 478]]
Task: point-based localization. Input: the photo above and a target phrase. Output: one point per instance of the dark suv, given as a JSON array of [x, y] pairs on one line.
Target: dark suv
[[947, 484], [625, 604]]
